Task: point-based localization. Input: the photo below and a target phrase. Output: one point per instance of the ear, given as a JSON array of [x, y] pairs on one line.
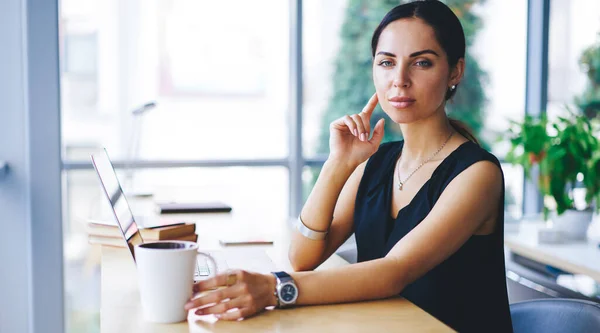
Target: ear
[[457, 72]]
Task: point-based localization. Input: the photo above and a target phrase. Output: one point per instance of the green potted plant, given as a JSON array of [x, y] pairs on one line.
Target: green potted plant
[[566, 150]]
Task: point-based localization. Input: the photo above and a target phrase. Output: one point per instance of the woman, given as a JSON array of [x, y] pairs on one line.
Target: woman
[[427, 211]]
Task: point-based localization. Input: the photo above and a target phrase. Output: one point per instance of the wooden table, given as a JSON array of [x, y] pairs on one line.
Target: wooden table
[[579, 257], [121, 309]]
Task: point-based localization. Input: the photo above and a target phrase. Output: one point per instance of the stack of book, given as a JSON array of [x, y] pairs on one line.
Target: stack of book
[[107, 233]]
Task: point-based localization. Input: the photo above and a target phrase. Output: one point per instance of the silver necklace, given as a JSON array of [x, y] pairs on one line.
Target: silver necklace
[[400, 182]]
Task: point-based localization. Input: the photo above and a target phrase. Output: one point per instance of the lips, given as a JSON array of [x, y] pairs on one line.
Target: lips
[[401, 102]]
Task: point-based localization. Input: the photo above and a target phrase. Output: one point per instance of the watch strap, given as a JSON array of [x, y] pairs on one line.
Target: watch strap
[[282, 277]]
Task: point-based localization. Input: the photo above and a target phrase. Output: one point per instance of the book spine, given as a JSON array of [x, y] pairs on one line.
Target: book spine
[[169, 233], [116, 242]]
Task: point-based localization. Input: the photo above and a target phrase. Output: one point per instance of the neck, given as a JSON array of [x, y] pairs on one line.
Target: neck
[[424, 137]]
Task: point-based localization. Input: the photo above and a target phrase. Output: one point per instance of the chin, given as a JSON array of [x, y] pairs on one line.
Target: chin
[[401, 116]]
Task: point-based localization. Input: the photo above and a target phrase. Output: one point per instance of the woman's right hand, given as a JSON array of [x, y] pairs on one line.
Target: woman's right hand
[[349, 136]]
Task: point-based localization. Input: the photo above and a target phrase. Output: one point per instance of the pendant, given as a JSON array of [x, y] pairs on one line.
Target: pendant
[[400, 186]]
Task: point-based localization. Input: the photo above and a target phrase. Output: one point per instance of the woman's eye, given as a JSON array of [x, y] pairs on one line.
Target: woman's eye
[[423, 63], [385, 63]]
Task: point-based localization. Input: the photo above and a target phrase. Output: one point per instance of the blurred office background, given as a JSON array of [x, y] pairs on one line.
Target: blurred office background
[[228, 123]]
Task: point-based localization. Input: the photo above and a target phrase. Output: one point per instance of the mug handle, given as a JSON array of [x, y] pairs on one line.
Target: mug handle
[[215, 268]]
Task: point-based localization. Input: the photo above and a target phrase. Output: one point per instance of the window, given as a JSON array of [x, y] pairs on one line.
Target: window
[[337, 72], [213, 77], [217, 72], [233, 62], [79, 64], [574, 28]]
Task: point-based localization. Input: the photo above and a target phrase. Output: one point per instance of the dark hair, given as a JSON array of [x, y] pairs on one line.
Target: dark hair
[[448, 32]]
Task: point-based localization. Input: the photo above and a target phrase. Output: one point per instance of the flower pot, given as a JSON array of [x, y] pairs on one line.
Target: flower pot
[[573, 224]]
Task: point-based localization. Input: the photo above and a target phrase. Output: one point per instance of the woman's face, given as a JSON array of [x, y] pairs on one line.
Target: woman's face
[[410, 71]]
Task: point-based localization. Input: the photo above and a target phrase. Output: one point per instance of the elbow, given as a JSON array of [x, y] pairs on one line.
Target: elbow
[[298, 264], [397, 280], [390, 288], [298, 267], [387, 287], [396, 287]]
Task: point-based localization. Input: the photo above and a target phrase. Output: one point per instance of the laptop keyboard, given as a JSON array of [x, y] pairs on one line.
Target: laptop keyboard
[[254, 260], [204, 267]]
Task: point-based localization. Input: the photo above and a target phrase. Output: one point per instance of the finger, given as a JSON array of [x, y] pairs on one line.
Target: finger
[[217, 296], [366, 120], [349, 122], [359, 125], [238, 314], [378, 132], [209, 298], [238, 302], [211, 283], [220, 280], [371, 104]]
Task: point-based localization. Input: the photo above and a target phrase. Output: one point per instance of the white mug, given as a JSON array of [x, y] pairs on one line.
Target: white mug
[[166, 277]]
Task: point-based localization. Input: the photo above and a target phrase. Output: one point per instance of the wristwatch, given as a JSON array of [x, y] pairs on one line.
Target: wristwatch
[[286, 290]]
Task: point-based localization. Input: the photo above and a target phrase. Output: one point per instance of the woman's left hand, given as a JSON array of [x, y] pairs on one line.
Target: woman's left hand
[[248, 293]]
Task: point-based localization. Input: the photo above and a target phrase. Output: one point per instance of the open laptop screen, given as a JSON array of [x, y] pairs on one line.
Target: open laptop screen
[[116, 198]]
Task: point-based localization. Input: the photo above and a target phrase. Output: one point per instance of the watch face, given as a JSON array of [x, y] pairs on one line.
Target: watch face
[[288, 293]]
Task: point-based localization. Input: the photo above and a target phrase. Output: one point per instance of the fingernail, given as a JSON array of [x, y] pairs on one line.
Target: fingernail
[[355, 132], [218, 316], [362, 136], [199, 312]]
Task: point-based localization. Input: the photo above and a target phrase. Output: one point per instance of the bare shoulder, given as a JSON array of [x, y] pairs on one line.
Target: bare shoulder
[[480, 187], [484, 177], [483, 173]]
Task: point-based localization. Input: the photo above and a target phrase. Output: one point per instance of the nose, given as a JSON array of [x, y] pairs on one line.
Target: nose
[[401, 79]]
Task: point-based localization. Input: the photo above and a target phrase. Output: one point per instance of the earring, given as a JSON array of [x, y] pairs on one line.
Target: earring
[[453, 87]]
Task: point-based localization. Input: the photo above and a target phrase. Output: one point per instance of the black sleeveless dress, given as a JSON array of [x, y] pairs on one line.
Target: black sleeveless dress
[[468, 290]]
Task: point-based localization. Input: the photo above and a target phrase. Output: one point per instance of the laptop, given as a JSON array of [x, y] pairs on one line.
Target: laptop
[[249, 259]]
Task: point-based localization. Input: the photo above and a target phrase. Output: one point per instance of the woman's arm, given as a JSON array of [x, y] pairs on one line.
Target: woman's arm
[[336, 186], [330, 205], [469, 201]]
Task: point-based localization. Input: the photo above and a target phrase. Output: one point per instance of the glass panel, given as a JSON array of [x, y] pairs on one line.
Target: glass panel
[[337, 66], [574, 28], [255, 194], [154, 80], [321, 49], [513, 198]]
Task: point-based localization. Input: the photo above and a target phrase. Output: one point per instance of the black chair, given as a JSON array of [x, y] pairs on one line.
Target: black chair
[[555, 315], [527, 280]]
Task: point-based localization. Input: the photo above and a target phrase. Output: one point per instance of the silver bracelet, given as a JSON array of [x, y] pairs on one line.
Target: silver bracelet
[[309, 233]]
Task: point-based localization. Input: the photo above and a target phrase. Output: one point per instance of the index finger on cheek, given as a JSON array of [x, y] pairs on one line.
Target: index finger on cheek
[[371, 104]]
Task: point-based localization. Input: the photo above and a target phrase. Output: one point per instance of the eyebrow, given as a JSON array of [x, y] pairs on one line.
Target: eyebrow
[[412, 55]]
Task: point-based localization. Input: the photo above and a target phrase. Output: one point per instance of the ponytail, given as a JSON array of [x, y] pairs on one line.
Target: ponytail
[[463, 129]]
